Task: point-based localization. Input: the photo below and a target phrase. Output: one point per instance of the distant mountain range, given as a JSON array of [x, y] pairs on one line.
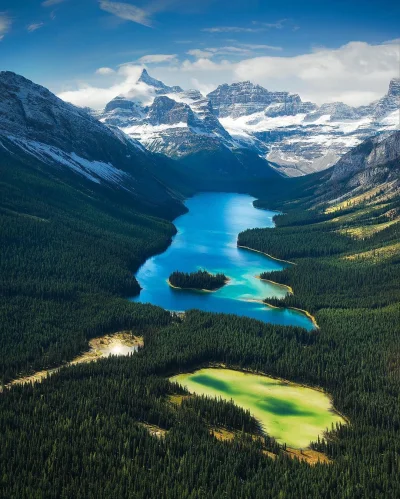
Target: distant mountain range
[[295, 137]]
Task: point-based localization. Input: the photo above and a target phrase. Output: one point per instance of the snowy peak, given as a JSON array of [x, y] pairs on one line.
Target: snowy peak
[[300, 137], [336, 111], [158, 85], [394, 87], [245, 98], [122, 111], [32, 111], [121, 102], [166, 111]]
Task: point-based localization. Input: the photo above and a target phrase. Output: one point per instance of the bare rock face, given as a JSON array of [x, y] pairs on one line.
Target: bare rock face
[[158, 85], [245, 98], [367, 160]]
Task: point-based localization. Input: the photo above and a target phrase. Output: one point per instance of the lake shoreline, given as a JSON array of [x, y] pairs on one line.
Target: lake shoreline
[[197, 289], [307, 314], [289, 288], [266, 254]]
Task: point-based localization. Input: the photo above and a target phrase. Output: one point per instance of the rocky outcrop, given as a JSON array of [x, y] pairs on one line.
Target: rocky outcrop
[[245, 98]]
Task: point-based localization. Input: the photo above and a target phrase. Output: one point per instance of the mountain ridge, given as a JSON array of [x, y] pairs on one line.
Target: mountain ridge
[[295, 137]]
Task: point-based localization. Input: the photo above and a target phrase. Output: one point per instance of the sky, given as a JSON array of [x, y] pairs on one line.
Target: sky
[[89, 51]]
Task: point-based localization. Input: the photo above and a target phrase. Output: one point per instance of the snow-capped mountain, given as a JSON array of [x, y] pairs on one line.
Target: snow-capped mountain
[[296, 137], [300, 140], [177, 123], [184, 126], [245, 98], [157, 85], [38, 128]]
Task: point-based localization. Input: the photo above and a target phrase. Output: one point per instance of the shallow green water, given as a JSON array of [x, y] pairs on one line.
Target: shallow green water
[[207, 239], [291, 413]]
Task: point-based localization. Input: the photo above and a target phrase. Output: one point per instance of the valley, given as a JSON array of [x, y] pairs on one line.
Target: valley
[[93, 224]]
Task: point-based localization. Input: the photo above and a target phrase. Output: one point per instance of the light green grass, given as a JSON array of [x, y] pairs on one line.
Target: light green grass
[[293, 414]]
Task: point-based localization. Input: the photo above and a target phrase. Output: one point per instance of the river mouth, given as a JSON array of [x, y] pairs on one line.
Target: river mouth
[[293, 414], [207, 239]]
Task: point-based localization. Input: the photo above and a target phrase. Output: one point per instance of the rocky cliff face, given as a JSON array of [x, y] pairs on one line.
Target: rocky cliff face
[[369, 171], [372, 155], [157, 85], [177, 123], [245, 98]]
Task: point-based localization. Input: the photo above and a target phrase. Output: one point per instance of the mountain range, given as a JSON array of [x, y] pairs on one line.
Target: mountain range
[[155, 155], [293, 136]]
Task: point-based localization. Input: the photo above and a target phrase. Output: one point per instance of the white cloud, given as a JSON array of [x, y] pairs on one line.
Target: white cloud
[[260, 47], [50, 3], [231, 29], [205, 88], [241, 49], [200, 54], [105, 71], [125, 83], [205, 65], [157, 58], [5, 24], [126, 11], [356, 73], [34, 26], [278, 24]]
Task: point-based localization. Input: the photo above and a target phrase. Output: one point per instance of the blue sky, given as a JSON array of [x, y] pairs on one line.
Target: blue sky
[[62, 44]]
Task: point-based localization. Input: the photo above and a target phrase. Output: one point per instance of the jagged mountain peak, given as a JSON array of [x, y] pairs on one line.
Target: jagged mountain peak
[[158, 85], [166, 111], [149, 80], [394, 87], [244, 98]]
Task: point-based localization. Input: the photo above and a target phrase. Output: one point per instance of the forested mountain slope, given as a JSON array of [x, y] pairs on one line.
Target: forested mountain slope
[[79, 213], [85, 432], [68, 252]]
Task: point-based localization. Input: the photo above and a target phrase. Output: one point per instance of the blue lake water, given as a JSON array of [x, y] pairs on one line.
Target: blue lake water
[[207, 239]]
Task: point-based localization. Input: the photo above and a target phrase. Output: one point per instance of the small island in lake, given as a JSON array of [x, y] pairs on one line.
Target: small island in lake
[[200, 280]]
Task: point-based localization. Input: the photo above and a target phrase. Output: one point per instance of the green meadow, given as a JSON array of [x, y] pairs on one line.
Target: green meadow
[[293, 414]]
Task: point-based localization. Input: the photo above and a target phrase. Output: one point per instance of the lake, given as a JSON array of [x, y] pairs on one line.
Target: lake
[[207, 239]]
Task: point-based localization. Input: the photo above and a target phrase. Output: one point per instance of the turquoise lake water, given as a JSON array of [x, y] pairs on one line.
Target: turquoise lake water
[[207, 239]]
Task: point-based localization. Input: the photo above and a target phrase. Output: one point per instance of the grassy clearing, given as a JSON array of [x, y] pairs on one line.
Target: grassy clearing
[[365, 197], [154, 430], [121, 343], [292, 414], [375, 255], [366, 231], [309, 456]]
